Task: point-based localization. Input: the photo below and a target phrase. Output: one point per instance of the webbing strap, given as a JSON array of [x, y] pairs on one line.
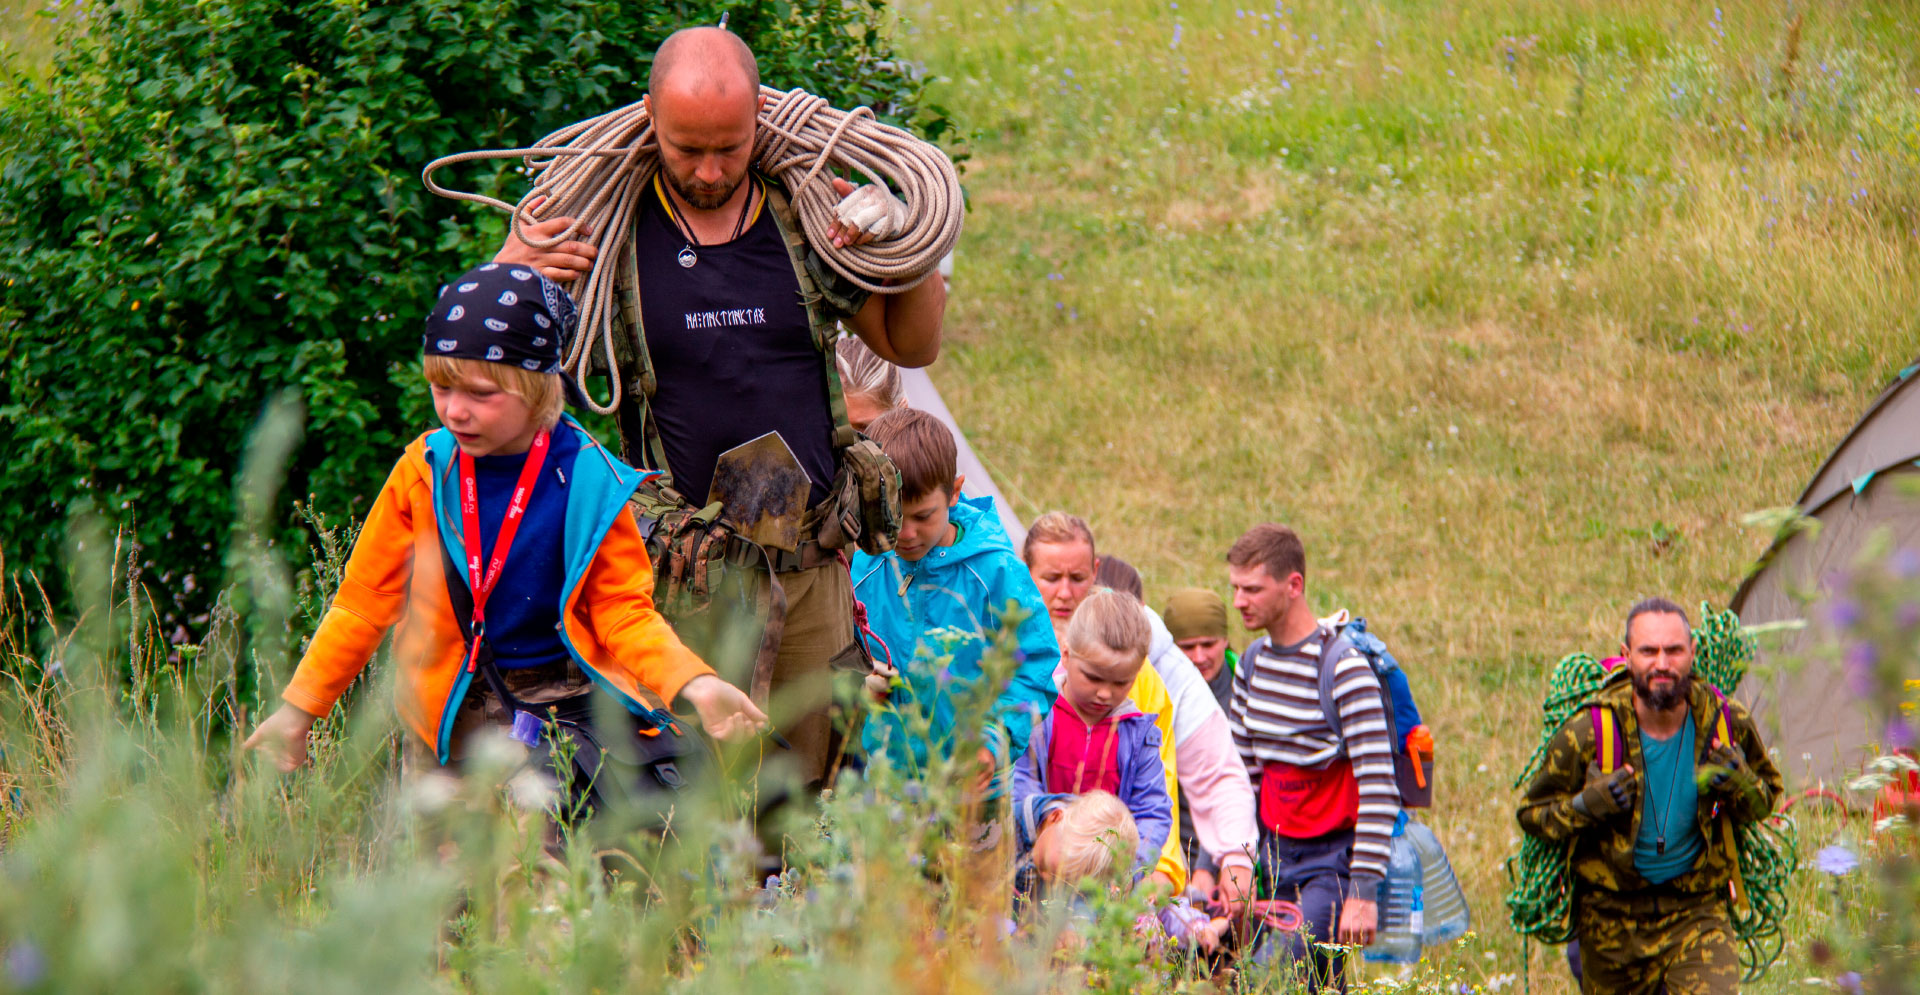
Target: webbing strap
[[1607, 738], [787, 222]]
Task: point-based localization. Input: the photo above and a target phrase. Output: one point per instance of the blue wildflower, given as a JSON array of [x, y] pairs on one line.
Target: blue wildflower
[[26, 966], [1836, 860]]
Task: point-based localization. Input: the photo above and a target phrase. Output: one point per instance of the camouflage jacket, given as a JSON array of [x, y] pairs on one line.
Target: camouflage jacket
[[1603, 847]]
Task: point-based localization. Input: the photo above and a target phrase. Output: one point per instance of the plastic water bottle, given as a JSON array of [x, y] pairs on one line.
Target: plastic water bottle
[[1447, 915], [1402, 915]]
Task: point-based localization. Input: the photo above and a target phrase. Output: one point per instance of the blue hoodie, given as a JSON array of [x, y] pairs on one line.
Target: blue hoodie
[[952, 602]]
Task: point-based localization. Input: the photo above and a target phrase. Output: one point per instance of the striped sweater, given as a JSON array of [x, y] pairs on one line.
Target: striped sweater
[[1276, 716]]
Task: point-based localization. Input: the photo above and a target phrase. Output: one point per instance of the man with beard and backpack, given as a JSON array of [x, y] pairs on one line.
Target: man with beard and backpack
[[1650, 785]]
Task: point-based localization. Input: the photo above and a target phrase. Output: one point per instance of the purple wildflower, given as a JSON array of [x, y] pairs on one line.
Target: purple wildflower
[[1904, 563], [1859, 661], [26, 967], [1843, 613], [1836, 860], [1899, 734]]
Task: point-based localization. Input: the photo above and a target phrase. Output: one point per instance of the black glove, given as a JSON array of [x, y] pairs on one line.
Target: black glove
[[1606, 794], [1725, 773]]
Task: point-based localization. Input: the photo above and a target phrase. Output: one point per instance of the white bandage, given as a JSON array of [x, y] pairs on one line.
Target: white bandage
[[872, 210]]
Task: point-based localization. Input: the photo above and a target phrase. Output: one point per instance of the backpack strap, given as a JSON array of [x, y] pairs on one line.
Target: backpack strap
[[640, 440], [1722, 736], [822, 318], [1333, 647], [1609, 748]]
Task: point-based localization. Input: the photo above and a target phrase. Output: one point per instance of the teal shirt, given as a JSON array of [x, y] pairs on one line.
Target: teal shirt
[[1668, 791]]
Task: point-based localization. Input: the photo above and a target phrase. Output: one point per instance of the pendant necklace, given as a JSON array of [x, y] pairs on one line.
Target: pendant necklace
[[687, 256], [1660, 811]]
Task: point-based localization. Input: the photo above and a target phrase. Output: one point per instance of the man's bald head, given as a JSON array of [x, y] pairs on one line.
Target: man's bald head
[[704, 59]]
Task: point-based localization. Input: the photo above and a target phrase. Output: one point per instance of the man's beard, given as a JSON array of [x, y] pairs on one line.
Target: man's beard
[[703, 201], [1665, 697]]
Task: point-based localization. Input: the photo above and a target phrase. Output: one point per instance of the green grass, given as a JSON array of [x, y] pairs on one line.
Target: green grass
[[1513, 309], [27, 29]]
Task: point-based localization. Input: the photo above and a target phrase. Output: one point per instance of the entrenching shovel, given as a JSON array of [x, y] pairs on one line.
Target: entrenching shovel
[[762, 492]]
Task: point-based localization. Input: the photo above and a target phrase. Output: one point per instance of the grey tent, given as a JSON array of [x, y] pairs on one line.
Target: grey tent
[[1821, 730]]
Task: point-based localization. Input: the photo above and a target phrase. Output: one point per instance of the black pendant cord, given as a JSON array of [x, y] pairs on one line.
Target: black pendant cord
[[687, 256], [1660, 811]]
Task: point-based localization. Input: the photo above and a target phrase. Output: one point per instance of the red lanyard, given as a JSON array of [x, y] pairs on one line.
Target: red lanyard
[[480, 585]]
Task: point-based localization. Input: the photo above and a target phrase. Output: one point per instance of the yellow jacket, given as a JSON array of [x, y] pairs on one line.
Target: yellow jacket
[[1150, 695]]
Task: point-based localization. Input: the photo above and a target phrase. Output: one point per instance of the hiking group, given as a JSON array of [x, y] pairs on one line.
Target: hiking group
[[1256, 799]]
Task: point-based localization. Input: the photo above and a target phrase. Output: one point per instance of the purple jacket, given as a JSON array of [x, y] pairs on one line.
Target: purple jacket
[[1143, 779]]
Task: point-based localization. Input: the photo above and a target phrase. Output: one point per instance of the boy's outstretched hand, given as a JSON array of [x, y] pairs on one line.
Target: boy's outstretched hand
[[284, 736], [725, 711]]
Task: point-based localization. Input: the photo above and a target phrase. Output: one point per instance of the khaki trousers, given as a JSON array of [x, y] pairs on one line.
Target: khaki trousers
[[819, 629]]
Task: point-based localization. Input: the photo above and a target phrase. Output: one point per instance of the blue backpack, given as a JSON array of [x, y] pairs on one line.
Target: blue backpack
[[1413, 774]]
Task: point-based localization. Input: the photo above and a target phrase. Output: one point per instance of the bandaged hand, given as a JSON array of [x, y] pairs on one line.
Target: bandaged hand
[[1606, 795], [865, 213]]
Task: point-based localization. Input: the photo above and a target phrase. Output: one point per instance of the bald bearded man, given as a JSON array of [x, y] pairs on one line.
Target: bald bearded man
[[729, 336]]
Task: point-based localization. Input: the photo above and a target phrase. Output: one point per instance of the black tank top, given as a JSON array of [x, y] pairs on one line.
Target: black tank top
[[731, 347]]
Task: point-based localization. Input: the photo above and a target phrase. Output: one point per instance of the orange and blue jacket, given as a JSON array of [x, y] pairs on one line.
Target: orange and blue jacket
[[395, 578]]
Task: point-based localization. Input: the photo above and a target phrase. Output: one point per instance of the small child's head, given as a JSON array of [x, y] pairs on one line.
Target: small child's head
[[1106, 644], [491, 354], [923, 450], [871, 385], [1094, 836]]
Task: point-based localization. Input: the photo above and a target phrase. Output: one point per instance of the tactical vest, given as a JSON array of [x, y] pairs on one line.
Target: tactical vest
[[693, 549]]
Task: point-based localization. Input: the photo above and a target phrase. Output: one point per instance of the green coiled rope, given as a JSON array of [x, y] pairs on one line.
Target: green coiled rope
[[1540, 904]]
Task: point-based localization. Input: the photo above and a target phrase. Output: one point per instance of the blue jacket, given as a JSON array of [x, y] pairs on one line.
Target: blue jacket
[[935, 618], [1143, 781]]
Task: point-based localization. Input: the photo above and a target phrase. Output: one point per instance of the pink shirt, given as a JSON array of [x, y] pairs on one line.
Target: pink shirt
[[1081, 756]]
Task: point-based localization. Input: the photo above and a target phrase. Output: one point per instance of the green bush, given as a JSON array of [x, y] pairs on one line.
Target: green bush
[[203, 204]]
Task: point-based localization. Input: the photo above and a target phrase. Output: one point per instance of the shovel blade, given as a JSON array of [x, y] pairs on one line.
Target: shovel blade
[[762, 490]]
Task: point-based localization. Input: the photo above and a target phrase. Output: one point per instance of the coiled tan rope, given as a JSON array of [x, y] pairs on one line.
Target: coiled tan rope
[[594, 171]]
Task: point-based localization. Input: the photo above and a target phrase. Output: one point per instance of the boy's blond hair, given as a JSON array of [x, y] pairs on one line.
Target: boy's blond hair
[[541, 391], [1097, 827], [1109, 622]]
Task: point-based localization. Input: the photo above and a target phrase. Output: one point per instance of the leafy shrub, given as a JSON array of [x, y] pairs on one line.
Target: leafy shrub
[[204, 204]]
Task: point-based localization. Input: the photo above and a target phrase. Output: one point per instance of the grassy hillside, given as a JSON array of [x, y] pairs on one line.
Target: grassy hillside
[[27, 32], [1513, 309]]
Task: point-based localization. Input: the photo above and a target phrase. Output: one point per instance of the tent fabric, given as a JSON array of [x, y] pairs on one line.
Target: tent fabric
[[922, 395], [1820, 728]]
